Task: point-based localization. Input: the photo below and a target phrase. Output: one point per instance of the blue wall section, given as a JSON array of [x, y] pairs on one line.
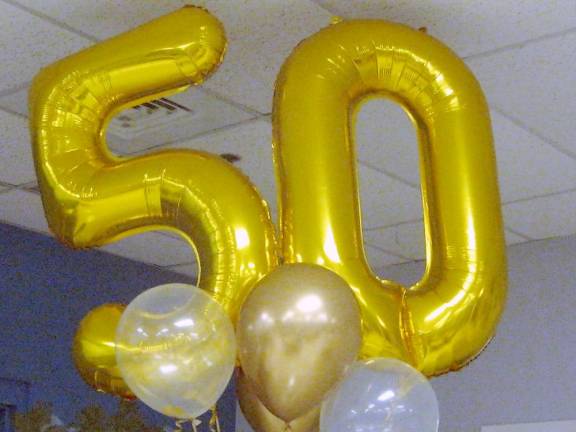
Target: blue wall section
[[45, 290]]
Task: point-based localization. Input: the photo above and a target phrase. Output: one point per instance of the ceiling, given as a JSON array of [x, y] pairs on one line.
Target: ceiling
[[523, 53]]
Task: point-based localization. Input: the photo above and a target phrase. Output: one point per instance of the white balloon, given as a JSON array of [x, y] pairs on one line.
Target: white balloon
[[176, 349], [381, 395]]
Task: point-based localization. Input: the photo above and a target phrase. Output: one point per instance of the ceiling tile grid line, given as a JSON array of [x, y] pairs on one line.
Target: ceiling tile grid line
[[535, 197], [33, 42], [333, 10], [518, 233], [217, 130], [9, 111], [189, 269], [544, 217], [94, 39], [518, 45], [533, 131], [387, 251], [330, 9], [468, 28], [537, 89], [216, 94], [51, 20], [15, 89], [395, 225], [389, 174]]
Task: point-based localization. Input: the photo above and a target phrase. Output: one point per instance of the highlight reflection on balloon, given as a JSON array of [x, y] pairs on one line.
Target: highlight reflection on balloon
[[298, 331], [94, 350], [176, 349], [381, 395]]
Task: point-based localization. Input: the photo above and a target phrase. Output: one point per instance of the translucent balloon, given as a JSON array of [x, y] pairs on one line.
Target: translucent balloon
[[176, 349], [381, 395]]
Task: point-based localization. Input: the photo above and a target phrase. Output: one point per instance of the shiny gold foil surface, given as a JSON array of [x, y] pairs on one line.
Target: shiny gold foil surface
[[92, 197], [445, 319], [94, 351], [299, 330]]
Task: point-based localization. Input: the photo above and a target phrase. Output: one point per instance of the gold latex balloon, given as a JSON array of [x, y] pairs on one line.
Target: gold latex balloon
[[91, 197], [263, 420], [444, 320], [94, 351], [298, 331]]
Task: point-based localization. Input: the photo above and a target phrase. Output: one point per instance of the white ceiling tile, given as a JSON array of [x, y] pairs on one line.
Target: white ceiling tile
[[186, 269], [261, 34], [535, 85], [252, 141], [377, 258], [152, 248], [468, 28], [137, 129], [30, 43], [527, 166], [22, 208], [544, 217], [386, 138], [103, 18], [16, 102], [386, 201], [406, 239], [16, 166]]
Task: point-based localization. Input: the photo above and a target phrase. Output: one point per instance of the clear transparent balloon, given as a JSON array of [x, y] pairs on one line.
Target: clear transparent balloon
[[381, 395], [176, 349]]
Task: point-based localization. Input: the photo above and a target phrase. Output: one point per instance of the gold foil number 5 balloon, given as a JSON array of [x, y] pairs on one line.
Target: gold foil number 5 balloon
[[91, 197]]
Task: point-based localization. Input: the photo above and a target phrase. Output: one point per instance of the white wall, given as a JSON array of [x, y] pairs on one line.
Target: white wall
[[528, 373], [563, 426]]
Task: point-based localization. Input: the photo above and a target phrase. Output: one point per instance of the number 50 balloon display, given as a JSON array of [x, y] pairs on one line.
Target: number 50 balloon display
[[91, 197]]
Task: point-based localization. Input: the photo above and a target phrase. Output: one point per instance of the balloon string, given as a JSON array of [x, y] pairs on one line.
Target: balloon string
[[180, 425], [214, 421]]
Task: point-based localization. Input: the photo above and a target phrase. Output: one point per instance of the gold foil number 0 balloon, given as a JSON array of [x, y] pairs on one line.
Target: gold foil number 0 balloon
[[444, 320]]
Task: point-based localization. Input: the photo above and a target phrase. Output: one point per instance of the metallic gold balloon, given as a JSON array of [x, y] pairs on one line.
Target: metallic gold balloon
[[263, 420], [444, 320], [94, 350], [92, 197], [298, 331]]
